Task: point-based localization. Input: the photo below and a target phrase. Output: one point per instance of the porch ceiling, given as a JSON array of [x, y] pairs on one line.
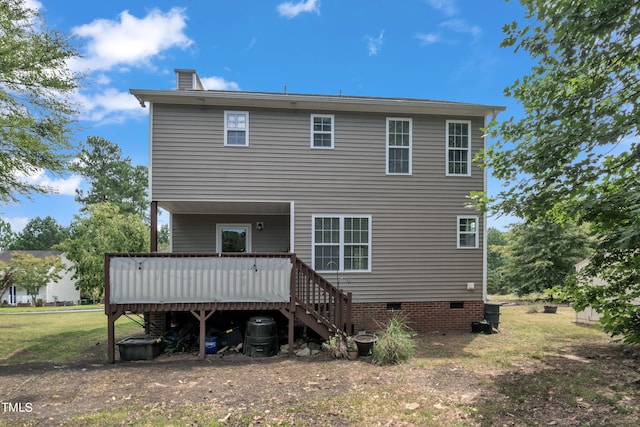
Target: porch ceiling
[[223, 207]]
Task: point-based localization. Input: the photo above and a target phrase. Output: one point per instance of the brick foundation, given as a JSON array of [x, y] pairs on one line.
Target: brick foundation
[[157, 323], [420, 316]]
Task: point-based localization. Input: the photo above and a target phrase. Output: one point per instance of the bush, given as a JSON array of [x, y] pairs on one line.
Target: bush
[[394, 345]]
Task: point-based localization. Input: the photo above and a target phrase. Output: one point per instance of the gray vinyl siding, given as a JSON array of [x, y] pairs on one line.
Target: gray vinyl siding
[[414, 254], [197, 233]]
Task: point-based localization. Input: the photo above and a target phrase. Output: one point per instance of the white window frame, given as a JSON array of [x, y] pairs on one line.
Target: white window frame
[[220, 227], [314, 132], [409, 148], [227, 129], [459, 233], [341, 243], [448, 148]]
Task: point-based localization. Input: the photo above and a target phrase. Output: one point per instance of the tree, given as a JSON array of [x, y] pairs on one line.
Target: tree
[[496, 241], [540, 256], [32, 273], [575, 156], [6, 278], [163, 237], [101, 229], [35, 84], [39, 234], [112, 178], [7, 235]]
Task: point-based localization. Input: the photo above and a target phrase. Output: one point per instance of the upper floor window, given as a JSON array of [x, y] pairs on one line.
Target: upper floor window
[[322, 131], [467, 232], [342, 243], [236, 128], [459, 147], [399, 146]]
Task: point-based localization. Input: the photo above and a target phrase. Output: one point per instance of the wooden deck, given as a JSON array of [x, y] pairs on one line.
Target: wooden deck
[[157, 282]]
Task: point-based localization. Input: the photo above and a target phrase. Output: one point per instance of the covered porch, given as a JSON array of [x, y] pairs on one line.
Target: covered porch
[[227, 226]]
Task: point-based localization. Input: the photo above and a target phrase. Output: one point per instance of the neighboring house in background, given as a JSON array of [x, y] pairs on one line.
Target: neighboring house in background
[[588, 315], [369, 192], [61, 291]]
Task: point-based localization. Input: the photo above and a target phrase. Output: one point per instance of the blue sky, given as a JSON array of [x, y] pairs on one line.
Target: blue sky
[[434, 49]]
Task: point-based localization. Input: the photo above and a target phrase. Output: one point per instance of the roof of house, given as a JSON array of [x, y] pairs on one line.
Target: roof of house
[[239, 99]]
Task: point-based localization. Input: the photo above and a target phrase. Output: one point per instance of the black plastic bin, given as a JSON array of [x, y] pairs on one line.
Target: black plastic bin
[[492, 314]]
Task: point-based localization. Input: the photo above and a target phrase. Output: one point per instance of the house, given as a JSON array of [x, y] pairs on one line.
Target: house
[[364, 196], [62, 291]]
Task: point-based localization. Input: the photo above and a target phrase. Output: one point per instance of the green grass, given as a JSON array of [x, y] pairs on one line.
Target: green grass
[[59, 337], [9, 310], [539, 369]]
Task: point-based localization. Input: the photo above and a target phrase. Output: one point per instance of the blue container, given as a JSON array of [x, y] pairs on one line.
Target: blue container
[[211, 345]]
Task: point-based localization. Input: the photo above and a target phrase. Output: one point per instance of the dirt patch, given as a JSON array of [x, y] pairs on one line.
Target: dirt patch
[[239, 390]]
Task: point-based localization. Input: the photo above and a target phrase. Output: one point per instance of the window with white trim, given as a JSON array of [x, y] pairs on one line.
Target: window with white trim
[[467, 232], [459, 147], [399, 135], [236, 128], [322, 130], [342, 243]]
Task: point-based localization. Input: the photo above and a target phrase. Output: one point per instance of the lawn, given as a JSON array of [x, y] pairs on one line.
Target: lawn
[[541, 369], [59, 336]]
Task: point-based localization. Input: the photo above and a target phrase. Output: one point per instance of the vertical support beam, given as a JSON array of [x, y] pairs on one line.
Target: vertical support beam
[[202, 316], [203, 333], [154, 226], [111, 334]]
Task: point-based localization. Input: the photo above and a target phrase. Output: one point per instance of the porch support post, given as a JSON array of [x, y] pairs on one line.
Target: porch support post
[[111, 334], [202, 317], [154, 226]]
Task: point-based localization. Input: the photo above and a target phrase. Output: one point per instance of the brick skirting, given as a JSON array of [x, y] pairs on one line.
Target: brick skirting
[[420, 316]]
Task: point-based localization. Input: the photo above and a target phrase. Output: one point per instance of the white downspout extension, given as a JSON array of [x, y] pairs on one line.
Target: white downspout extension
[[292, 227], [484, 221]]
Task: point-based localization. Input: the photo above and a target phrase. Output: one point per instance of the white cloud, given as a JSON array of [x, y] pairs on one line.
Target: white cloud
[[375, 43], [448, 7], [218, 83], [291, 10], [17, 223], [33, 4], [131, 41], [429, 38], [65, 186], [109, 106], [461, 26]]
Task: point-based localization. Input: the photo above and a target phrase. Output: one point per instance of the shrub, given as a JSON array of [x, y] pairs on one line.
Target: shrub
[[394, 345]]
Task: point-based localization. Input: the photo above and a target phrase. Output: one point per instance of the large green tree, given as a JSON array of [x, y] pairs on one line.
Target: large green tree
[[35, 89], [39, 234], [574, 155], [111, 177], [496, 241], [540, 256], [101, 229], [7, 235]]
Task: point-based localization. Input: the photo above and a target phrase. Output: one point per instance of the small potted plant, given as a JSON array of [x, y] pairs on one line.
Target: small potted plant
[[352, 348], [336, 346]]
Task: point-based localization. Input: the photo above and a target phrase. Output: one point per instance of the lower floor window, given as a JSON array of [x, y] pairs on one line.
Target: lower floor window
[[468, 232], [342, 243]]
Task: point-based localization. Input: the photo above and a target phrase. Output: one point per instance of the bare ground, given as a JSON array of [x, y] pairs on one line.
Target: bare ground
[[432, 389]]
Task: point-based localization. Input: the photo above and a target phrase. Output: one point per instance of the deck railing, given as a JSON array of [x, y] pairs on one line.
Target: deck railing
[[319, 298]]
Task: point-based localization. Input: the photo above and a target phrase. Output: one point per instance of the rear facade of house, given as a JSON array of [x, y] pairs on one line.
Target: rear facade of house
[[369, 192]]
